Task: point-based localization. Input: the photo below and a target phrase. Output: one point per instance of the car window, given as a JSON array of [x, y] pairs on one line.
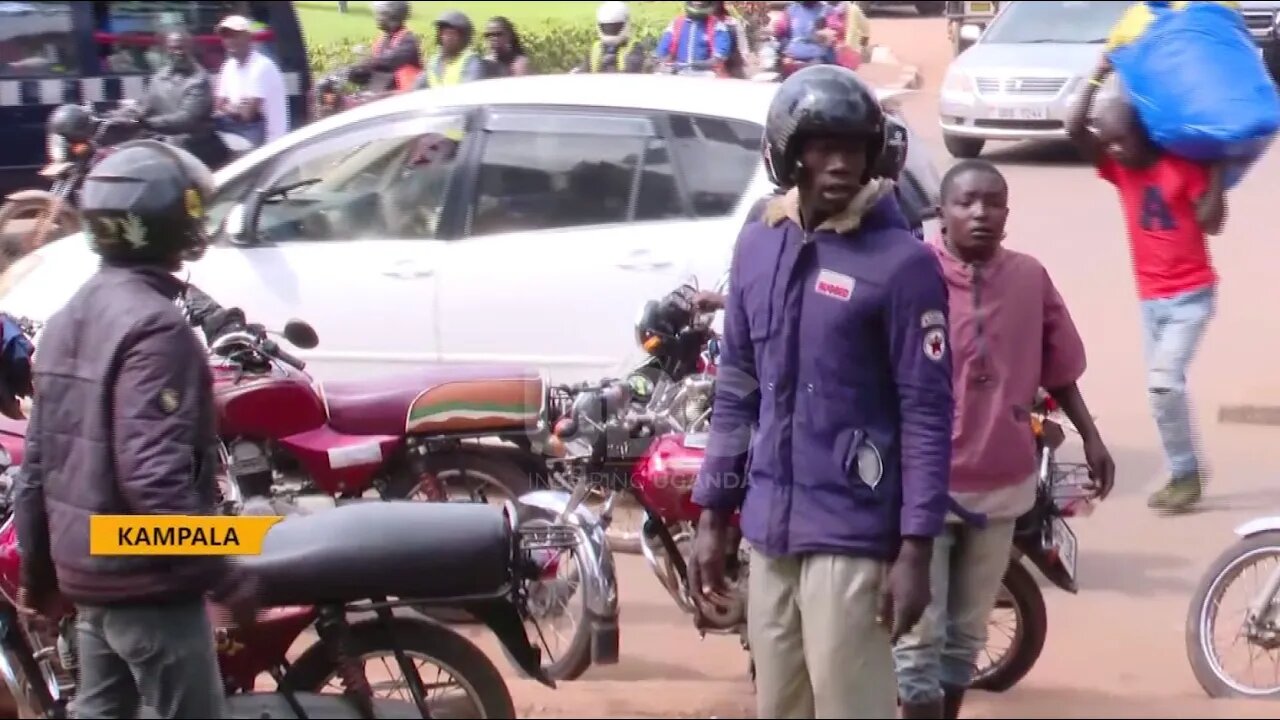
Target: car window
[[718, 158], [1055, 21], [128, 34], [36, 39], [384, 182], [544, 180]]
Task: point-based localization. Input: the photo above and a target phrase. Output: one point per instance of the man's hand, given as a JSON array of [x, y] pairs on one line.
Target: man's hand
[[708, 301], [39, 604], [1102, 469], [707, 585], [239, 594], [905, 594]]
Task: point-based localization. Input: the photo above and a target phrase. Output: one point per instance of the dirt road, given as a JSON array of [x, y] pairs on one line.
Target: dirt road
[[1116, 649]]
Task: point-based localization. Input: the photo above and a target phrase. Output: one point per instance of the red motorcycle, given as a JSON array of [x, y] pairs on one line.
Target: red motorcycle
[[316, 569], [284, 434]]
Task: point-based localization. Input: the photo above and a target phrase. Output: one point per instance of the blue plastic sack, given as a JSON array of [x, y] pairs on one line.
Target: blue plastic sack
[[1200, 87]]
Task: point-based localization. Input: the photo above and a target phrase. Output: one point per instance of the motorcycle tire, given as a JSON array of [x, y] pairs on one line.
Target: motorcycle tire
[[1215, 581], [454, 653], [12, 245], [1033, 629]]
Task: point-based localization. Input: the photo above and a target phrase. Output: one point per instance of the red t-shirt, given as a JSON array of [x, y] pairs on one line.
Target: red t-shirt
[[1170, 253]]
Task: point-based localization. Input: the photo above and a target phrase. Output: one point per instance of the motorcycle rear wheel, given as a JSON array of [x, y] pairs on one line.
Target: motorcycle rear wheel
[[440, 645], [1027, 602], [1202, 613]]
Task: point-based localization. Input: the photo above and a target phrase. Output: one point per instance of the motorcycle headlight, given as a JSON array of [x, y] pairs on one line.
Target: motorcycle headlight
[[57, 146]]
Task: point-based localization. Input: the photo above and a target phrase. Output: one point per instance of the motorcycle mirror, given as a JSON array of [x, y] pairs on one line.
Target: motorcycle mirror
[[301, 335]]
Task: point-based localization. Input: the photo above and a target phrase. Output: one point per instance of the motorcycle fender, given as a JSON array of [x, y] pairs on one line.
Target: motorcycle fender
[[1258, 525], [30, 194], [1051, 568], [601, 583], [505, 622]]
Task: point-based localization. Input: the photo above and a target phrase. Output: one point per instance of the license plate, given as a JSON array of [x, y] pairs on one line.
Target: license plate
[[1064, 541], [1022, 113], [979, 7]]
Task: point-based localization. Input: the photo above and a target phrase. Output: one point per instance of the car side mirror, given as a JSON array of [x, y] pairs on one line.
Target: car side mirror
[[970, 33], [301, 335]]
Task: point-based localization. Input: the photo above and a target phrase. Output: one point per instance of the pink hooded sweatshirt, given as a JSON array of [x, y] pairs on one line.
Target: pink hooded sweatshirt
[[1010, 334]]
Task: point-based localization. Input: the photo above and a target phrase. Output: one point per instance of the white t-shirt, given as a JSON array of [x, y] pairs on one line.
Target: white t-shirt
[[257, 77]]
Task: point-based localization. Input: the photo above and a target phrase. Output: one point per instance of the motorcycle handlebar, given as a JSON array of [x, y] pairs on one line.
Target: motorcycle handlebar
[[259, 342]]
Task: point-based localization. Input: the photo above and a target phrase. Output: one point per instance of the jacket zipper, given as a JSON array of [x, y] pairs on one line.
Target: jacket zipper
[[979, 325]]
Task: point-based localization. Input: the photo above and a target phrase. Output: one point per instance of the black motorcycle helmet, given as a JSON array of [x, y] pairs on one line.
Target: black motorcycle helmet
[[820, 100], [459, 21], [72, 122], [144, 204], [395, 11], [894, 158]]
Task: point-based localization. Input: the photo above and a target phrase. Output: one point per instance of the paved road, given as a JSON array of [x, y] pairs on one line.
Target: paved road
[[1117, 647]]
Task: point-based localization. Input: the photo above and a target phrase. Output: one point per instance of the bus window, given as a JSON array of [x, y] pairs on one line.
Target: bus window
[[128, 34], [36, 40]]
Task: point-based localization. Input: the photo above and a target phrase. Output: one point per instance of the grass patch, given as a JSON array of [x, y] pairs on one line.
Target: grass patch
[[323, 24]]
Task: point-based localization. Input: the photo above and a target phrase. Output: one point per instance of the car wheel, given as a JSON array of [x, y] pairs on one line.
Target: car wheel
[[964, 148], [930, 9]]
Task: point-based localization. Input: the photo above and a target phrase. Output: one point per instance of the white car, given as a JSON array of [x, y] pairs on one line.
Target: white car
[[517, 221]]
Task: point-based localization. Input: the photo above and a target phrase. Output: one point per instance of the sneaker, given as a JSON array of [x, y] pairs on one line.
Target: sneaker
[[1178, 496]]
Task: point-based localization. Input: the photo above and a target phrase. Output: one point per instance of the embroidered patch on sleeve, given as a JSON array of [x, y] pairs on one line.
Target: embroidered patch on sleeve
[[932, 318], [935, 344]]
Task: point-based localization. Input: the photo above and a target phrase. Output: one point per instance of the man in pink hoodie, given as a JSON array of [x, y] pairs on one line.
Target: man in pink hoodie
[[1010, 335]]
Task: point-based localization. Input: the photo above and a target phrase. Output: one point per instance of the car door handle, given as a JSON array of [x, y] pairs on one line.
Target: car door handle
[[407, 270], [643, 260]]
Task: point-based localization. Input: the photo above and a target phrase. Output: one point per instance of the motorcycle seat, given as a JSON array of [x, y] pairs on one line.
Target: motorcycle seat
[[438, 399], [394, 549]]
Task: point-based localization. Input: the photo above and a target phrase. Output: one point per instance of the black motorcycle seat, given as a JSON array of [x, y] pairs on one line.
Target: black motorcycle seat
[[395, 549]]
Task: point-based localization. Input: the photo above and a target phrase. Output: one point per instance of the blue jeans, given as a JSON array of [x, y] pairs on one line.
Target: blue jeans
[[1173, 329], [967, 568], [254, 131]]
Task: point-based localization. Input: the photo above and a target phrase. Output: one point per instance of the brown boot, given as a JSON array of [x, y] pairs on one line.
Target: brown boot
[[931, 710], [952, 699]]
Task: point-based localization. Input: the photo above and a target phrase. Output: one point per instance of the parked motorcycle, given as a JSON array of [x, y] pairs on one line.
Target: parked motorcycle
[[1257, 623], [78, 139], [316, 569]]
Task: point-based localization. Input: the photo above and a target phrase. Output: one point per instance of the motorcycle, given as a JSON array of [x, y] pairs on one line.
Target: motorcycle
[[331, 96], [315, 570], [75, 146], [1258, 625], [670, 450], [697, 68]]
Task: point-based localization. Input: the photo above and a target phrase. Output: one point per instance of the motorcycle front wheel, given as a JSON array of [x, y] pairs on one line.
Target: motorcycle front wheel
[[1205, 609], [18, 220], [1020, 594]]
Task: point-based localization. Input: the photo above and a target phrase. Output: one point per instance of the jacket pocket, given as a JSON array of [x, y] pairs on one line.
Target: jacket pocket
[[861, 461]]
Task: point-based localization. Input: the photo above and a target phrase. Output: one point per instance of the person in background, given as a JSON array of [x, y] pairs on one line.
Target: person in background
[[1170, 204], [892, 162], [857, 30], [800, 33], [738, 58], [615, 50], [179, 103], [844, 491], [396, 60], [455, 62], [1011, 335], [696, 38], [506, 54], [124, 427], [251, 99]]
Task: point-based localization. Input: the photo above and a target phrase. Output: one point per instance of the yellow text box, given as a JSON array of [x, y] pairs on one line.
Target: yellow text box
[[178, 534]]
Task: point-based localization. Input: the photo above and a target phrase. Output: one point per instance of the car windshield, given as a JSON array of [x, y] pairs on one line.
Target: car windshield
[[1064, 21]]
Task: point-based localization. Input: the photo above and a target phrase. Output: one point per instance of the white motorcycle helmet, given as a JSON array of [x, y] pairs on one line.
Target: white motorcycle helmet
[[613, 22]]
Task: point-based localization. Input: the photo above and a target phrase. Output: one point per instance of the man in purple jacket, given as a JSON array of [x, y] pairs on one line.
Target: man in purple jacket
[[123, 425], [831, 429]]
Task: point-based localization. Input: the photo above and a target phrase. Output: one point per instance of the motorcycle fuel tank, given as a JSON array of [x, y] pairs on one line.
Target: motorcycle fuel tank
[[666, 474], [270, 405]]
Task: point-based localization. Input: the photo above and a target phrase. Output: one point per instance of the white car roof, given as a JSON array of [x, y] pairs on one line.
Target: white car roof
[[716, 97]]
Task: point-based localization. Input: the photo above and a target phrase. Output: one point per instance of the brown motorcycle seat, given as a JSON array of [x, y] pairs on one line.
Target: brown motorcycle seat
[[394, 549], [441, 398]]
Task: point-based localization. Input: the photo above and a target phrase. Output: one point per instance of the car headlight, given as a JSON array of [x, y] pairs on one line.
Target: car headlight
[[20, 269], [957, 82]]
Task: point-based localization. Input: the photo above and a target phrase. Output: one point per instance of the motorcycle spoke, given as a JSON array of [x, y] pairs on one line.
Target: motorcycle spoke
[[1232, 625], [444, 694]]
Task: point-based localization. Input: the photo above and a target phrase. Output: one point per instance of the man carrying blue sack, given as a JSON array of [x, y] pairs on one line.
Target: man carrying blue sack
[[834, 393], [696, 40]]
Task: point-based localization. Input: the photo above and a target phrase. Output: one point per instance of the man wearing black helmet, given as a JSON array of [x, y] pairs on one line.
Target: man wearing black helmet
[[455, 62], [396, 61], [124, 426], [890, 167], [834, 393]]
